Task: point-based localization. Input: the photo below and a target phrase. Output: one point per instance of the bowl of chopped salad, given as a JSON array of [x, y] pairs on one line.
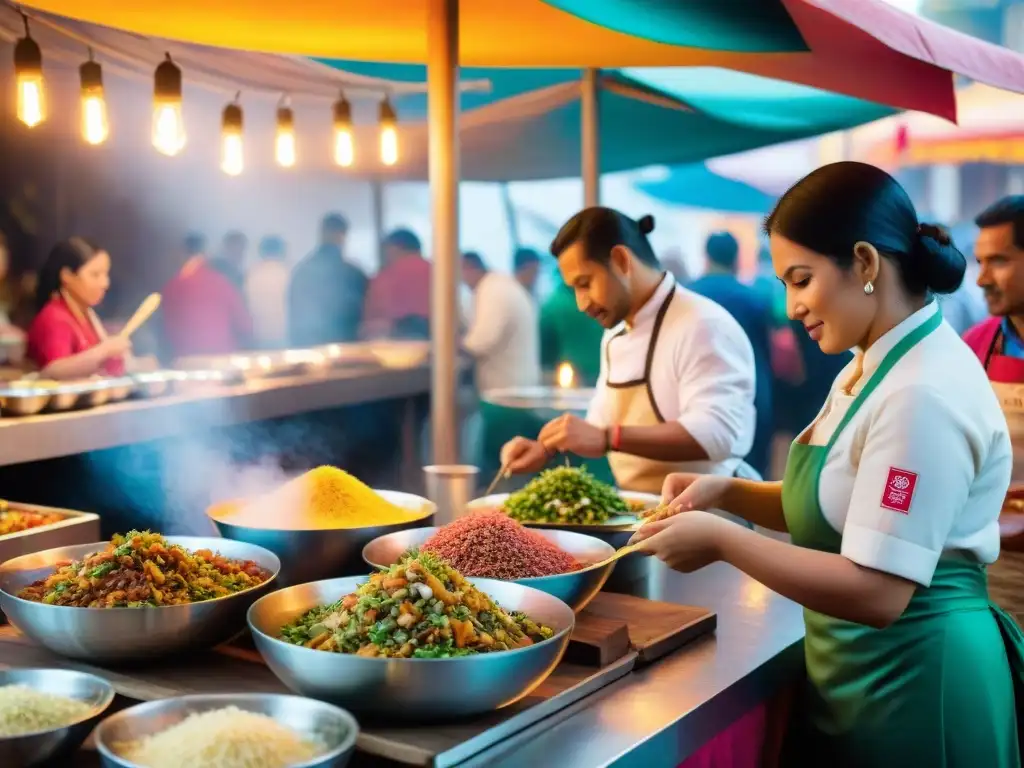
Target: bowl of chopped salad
[[139, 595], [570, 498], [415, 641]]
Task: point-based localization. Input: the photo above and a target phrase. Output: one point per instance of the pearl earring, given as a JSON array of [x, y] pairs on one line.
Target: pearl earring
[[869, 287]]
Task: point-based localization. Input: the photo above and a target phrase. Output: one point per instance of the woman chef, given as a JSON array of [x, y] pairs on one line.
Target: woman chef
[[66, 339], [891, 496], [676, 387]]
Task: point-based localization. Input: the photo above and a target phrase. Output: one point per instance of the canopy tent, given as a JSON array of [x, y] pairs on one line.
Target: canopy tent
[[990, 130], [695, 186], [527, 125], [880, 55], [65, 44], [865, 49]]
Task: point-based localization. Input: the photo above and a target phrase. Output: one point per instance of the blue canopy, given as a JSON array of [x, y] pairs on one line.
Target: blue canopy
[[527, 127], [697, 187]]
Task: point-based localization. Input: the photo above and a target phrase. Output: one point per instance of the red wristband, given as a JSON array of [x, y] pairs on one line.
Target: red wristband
[[616, 437]]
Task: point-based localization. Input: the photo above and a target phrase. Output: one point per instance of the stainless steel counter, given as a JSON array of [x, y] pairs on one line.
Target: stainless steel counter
[[660, 715], [49, 436]]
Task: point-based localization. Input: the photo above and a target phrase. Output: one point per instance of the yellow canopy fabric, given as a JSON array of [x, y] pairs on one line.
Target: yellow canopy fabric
[[499, 33]]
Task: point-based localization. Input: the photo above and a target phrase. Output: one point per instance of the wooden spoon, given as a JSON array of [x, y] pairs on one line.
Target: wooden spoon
[[618, 553], [148, 306]]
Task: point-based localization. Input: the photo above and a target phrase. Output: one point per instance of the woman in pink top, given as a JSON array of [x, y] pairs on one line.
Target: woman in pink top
[[66, 339]]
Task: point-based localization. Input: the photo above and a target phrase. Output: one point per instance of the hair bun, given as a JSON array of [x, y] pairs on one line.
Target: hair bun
[[936, 232], [645, 224], [939, 259]]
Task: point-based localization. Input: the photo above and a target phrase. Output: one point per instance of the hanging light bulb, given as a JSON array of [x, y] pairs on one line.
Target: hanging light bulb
[[388, 133], [284, 142], [168, 125], [28, 78], [231, 156], [94, 108], [344, 143]]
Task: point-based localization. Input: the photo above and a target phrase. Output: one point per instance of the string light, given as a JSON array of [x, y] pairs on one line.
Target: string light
[[232, 159], [344, 143], [388, 133], [168, 123], [28, 78], [284, 142], [94, 107]]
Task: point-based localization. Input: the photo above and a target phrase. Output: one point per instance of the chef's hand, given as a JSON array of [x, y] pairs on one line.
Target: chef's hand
[[113, 346], [686, 542], [571, 434], [521, 455], [683, 491]]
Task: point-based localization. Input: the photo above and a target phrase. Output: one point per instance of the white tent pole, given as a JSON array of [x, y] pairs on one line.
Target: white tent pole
[[442, 118], [590, 164]]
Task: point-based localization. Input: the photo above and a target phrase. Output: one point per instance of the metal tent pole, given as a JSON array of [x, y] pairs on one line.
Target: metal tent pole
[[590, 162], [442, 118]]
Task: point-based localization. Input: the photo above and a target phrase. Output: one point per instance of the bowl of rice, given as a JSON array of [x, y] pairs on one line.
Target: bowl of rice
[[229, 731], [319, 522], [489, 544], [46, 714]]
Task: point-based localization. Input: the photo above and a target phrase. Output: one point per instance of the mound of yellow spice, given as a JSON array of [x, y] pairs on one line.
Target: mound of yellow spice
[[325, 497]]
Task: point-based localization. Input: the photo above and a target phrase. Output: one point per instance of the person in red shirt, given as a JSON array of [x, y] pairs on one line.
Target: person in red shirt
[[66, 340], [203, 311], [398, 299]]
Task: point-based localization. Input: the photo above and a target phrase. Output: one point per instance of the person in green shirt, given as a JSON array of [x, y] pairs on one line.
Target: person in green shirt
[[568, 335]]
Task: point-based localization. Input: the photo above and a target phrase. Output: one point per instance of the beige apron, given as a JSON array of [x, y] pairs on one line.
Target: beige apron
[[1006, 575], [632, 404]]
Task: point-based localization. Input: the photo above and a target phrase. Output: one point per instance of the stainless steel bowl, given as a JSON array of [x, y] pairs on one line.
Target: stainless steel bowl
[[56, 745], [310, 555], [155, 383], [23, 401], [410, 689], [127, 634], [575, 589], [66, 397], [334, 727]]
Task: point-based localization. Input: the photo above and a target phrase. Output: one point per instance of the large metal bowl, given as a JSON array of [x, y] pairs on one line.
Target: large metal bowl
[[311, 555], [410, 689], [114, 635], [575, 589], [56, 745], [335, 727]]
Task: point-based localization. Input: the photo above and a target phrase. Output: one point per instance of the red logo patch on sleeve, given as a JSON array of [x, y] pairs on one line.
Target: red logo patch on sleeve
[[899, 490]]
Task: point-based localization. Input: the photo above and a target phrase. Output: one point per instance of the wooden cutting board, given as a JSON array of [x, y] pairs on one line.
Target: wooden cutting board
[[653, 629]]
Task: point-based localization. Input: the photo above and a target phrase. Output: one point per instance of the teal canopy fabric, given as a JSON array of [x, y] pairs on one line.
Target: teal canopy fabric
[[762, 26], [695, 186], [508, 136]]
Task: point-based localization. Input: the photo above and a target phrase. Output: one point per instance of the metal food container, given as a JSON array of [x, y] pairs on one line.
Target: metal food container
[[335, 728], [574, 588], [76, 528], [117, 635], [55, 746], [410, 689], [401, 355], [120, 388], [66, 397], [349, 354], [23, 400], [155, 383]]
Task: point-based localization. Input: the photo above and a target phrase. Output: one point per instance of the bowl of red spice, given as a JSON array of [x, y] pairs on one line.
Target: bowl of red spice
[[490, 544]]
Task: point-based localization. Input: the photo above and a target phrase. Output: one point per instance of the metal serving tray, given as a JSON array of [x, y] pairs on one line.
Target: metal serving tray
[[75, 528]]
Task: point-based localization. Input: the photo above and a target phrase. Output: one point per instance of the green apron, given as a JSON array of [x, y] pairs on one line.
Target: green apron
[[934, 689]]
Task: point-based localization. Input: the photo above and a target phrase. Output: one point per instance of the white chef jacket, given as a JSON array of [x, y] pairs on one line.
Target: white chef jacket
[[935, 418], [702, 373], [504, 334]]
